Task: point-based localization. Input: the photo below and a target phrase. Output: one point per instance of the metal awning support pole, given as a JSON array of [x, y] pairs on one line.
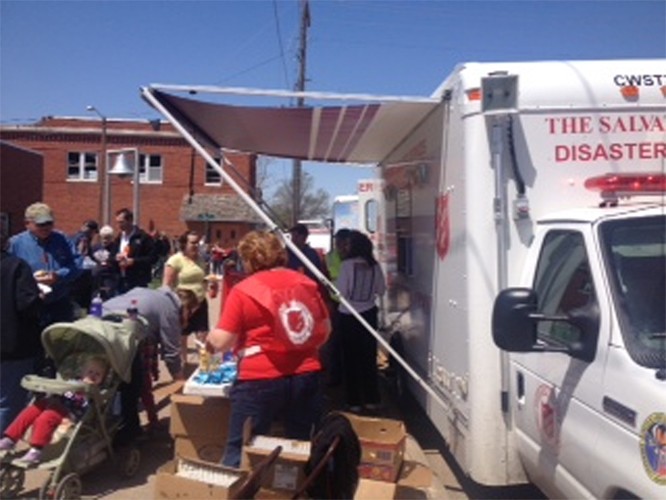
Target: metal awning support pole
[[147, 94]]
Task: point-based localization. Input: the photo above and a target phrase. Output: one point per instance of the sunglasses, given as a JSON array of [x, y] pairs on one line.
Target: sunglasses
[[44, 224]]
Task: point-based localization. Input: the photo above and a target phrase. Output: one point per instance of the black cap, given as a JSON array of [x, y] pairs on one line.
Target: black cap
[[301, 229]]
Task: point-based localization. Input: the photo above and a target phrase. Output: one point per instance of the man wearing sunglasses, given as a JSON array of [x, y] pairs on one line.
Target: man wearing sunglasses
[[49, 254]]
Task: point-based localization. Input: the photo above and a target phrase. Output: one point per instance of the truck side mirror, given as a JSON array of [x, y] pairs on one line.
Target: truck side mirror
[[514, 328], [586, 319]]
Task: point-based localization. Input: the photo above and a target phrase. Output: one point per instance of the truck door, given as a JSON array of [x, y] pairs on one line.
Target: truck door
[[556, 394]]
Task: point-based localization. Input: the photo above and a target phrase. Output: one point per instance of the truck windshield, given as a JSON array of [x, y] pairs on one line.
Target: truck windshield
[[635, 254]]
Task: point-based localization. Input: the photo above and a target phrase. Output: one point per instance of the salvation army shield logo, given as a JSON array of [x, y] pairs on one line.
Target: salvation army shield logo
[[546, 413], [443, 229], [297, 321]]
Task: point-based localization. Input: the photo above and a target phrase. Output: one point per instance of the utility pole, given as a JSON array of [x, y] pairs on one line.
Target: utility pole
[[300, 86]]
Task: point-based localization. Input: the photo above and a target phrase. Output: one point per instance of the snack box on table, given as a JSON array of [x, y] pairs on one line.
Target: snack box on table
[[213, 377], [382, 446], [199, 426], [286, 474], [194, 386], [184, 478]]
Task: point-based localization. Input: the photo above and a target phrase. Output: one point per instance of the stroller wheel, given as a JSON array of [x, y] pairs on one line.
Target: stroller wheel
[[11, 481], [128, 461], [68, 487]]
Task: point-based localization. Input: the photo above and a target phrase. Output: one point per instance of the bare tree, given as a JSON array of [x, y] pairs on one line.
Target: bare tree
[[314, 203], [263, 176]]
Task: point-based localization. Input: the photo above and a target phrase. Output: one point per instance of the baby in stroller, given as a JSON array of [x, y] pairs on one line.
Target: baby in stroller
[[92, 356], [47, 413]]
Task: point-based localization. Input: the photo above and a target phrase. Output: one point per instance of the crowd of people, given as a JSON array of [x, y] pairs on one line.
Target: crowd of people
[[290, 335]]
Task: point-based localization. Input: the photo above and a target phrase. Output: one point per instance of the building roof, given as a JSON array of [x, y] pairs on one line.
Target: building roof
[[216, 208]]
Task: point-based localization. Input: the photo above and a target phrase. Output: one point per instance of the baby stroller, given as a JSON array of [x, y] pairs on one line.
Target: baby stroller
[[89, 441]]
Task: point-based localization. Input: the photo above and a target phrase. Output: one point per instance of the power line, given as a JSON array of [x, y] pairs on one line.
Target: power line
[[279, 37]]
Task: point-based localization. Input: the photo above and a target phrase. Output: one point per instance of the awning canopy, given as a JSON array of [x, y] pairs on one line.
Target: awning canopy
[[355, 133]]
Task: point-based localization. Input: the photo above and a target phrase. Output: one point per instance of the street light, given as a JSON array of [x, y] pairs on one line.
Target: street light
[[104, 199], [122, 167]]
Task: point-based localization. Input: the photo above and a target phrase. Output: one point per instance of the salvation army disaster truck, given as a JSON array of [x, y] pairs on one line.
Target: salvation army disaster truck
[[529, 208], [522, 225]]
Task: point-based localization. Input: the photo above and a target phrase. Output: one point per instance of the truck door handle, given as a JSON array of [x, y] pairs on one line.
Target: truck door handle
[[520, 388]]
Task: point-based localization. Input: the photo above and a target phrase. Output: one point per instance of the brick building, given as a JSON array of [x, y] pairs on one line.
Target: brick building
[[178, 190], [17, 191]]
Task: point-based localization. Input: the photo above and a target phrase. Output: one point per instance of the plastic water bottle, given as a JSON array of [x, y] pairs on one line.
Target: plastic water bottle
[[133, 310], [96, 306]]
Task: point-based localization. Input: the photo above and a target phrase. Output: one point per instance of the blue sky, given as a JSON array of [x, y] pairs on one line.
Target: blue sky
[[57, 57]]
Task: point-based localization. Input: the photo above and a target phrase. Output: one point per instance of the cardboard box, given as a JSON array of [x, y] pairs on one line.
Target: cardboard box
[[369, 489], [286, 474], [382, 446], [184, 478], [415, 474], [198, 447], [199, 426]]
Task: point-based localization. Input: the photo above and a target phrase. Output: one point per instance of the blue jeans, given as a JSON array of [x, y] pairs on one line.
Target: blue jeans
[[298, 398], [13, 397]]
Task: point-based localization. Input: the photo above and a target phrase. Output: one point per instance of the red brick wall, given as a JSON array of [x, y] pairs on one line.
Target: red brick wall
[[21, 180], [75, 201]]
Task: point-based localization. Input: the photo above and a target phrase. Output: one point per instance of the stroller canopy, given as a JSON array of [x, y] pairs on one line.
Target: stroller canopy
[[117, 340]]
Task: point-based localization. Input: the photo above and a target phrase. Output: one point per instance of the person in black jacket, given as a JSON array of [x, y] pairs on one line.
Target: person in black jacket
[[20, 305], [135, 252]]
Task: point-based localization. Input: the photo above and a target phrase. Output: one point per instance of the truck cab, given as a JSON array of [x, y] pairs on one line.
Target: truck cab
[[587, 333]]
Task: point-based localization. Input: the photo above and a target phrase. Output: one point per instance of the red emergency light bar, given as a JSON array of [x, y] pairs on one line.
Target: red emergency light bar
[[627, 184]]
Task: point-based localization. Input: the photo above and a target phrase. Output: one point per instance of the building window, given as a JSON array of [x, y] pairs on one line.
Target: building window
[[81, 166], [150, 169], [213, 177]]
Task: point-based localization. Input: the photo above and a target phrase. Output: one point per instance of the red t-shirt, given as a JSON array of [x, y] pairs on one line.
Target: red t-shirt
[[244, 316]]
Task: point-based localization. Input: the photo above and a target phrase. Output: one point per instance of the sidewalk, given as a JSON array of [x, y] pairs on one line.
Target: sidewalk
[[157, 449]]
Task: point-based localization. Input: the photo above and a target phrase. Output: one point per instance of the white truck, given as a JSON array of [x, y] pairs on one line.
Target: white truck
[[523, 208], [363, 211], [550, 177]]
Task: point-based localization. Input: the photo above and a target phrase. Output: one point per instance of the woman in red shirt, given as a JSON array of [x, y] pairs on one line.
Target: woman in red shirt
[[275, 321]]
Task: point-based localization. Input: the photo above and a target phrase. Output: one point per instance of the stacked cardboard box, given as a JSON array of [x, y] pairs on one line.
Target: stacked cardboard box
[[199, 426], [184, 478], [382, 446], [286, 474]]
